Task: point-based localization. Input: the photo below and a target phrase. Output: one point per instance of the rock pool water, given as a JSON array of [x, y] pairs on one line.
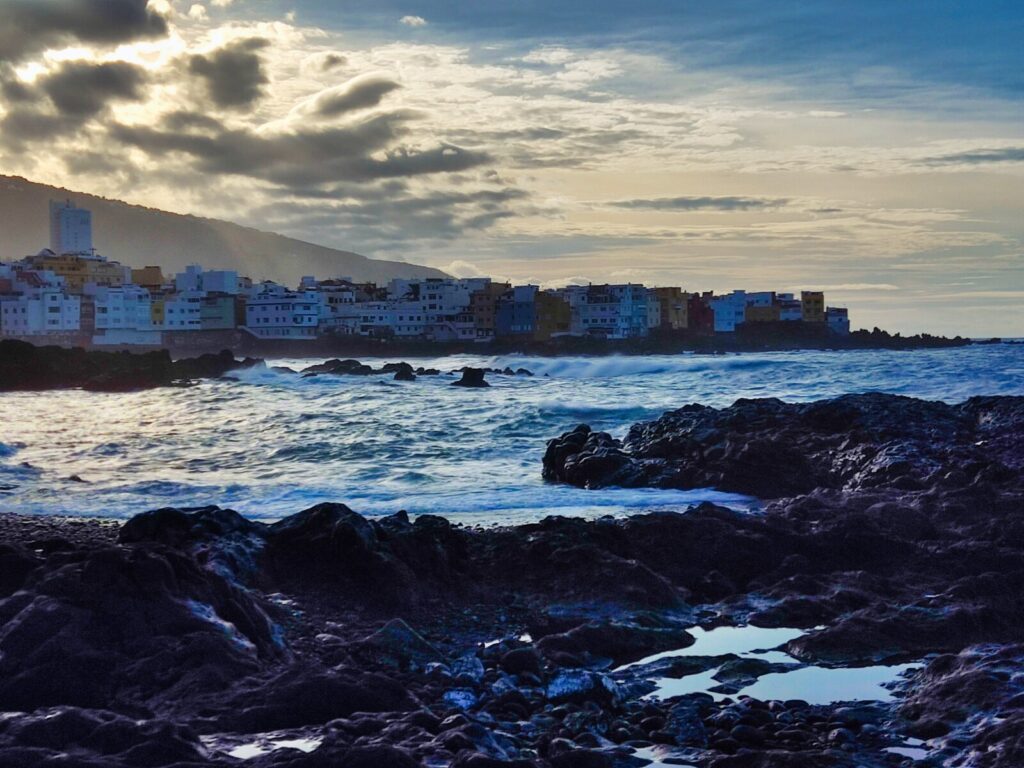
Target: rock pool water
[[813, 684]]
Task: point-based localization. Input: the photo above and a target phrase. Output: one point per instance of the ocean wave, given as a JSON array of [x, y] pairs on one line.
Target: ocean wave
[[616, 366], [276, 443], [9, 449]]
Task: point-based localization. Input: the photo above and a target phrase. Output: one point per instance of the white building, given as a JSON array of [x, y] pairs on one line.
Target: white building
[[610, 311], [183, 311], [838, 319], [761, 299], [790, 307], [274, 312], [35, 303], [126, 307], [403, 319], [47, 310], [70, 228], [444, 304], [195, 278], [730, 311]]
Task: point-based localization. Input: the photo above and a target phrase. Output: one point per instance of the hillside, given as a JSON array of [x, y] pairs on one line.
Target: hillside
[[138, 236]]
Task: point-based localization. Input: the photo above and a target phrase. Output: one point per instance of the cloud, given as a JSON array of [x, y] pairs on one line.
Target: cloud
[[332, 61], [65, 100], [388, 214], [233, 75], [980, 157], [460, 268], [358, 93], [83, 89], [843, 287], [360, 151], [413, 21], [30, 26], [728, 203]]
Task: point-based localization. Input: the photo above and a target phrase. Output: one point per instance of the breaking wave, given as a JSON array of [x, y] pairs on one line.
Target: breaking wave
[[272, 442]]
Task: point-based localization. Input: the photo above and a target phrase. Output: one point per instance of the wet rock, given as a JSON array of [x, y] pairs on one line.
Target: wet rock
[[27, 367], [398, 644], [772, 449], [471, 377], [15, 564], [468, 669], [377, 756], [307, 695], [103, 736], [621, 642], [521, 660], [579, 685], [685, 724], [459, 698], [114, 624], [339, 368], [581, 758]]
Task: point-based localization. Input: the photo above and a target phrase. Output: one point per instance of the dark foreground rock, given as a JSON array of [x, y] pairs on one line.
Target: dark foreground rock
[[329, 639], [27, 367]]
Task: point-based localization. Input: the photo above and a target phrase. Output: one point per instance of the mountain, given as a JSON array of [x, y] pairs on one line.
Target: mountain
[[138, 236]]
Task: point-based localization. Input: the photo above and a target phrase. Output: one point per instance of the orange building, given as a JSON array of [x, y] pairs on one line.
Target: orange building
[[483, 305]]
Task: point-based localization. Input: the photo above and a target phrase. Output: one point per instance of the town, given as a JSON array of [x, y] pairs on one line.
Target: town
[[69, 294]]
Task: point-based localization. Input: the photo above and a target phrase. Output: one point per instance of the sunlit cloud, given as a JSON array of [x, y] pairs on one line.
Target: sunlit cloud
[[593, 159]]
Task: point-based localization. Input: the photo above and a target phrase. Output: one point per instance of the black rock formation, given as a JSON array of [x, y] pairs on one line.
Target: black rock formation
[[472, 377], [24, 366]]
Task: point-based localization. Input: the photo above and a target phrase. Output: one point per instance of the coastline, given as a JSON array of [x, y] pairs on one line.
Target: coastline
[[767, 338], [328, 639]]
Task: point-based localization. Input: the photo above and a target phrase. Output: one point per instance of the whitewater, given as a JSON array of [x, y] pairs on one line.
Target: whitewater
[[270, 443]]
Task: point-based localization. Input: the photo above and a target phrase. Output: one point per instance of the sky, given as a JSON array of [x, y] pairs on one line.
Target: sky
[[874, 150]]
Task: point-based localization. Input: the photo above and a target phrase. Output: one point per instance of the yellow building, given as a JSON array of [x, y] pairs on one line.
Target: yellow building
[[149, 277], [674, 307], [756, 314], [812, 303], [77, 270], [553, 315], [156, 311]]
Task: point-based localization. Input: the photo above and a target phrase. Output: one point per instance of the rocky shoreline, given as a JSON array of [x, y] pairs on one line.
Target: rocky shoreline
[[892, 534], [24, 366]]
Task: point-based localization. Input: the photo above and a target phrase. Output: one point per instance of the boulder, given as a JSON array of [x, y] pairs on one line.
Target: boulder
[[471, 377]]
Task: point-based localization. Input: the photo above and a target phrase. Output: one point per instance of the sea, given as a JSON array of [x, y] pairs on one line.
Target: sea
[[269, 443]]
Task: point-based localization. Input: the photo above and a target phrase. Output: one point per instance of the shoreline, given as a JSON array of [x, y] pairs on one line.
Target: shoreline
[[749, 341], [890, 537]]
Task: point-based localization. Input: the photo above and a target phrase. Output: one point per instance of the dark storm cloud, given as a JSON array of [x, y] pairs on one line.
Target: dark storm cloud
[[702, 203], [981, 157], [63, 102], [358, 93], [304, 157], [16, 91], [84, 89], [387, 220], [20, 127], [31, 26], [233, 75]]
